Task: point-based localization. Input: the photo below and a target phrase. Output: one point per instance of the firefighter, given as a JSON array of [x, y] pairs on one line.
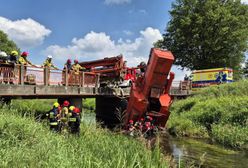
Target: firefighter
[[139, 126], [48, 63], [66, 71], [65, 108], [74, 121], [13, 57], [131, 128], [76, 67], [142, 67], [53, 117], [63, 116], [23, 59], [68, 65], [3, 57], [148, 127]]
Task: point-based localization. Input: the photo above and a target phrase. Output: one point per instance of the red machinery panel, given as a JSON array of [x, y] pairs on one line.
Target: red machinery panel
[[150, 93]]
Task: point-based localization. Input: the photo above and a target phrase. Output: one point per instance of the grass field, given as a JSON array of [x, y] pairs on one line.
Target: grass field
[[219, 113], [27, 143], [89, 104]]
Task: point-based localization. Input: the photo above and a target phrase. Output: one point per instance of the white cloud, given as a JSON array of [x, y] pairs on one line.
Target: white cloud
[[26, 33], [116, 2], [244, 1], [99, 45]]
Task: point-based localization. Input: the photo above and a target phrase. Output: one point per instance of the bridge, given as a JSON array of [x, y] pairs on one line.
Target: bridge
[[28, 82], [35, 82]]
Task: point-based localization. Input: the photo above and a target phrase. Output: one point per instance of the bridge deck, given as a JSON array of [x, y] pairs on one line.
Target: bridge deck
[[35, 91]]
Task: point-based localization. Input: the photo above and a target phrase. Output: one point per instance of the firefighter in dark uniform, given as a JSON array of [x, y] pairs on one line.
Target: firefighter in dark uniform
[[52, 116], [74, 120]]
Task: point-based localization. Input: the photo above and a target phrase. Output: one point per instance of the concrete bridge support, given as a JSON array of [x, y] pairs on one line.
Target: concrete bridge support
[[109, 110]]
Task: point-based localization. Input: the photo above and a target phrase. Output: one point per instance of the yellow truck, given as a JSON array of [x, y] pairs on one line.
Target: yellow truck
[[209, 77]]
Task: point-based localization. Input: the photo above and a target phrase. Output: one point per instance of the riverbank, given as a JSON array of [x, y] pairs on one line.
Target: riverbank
[[27, 143], [219, 113]]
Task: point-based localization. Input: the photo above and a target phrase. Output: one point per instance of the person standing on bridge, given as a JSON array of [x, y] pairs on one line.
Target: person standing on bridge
[[23, 59], [76, 67], [13, 57], [48, 64], [68, 65]]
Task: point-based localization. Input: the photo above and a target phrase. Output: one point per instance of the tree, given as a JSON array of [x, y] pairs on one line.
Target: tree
[[7, 45], [207, 33]]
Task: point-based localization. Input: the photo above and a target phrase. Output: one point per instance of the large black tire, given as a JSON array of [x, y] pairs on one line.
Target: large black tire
[[110, 111]]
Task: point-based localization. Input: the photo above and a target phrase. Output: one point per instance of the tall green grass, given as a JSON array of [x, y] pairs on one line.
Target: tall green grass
[[89, 104], [26, 143], [219, 113]]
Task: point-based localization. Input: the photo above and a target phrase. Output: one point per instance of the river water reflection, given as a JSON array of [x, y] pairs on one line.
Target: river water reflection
[[190, 152]]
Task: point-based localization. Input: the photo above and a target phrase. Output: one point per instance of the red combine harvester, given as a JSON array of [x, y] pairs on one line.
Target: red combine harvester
[[110, 69], [113, 71], [150, 92]]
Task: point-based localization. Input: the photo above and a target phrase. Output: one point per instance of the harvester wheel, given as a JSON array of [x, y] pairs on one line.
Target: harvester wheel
[[121, 111]]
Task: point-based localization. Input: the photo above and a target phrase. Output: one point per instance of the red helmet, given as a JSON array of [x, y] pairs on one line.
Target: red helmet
[[24, 54], [66, 103], [75, 61], [130, 121], [68, 61], [76, 110]]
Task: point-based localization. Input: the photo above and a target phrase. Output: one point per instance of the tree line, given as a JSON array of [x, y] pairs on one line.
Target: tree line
[[208, 34]]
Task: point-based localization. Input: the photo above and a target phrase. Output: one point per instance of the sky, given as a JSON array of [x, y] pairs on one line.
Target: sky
[[86, 29]]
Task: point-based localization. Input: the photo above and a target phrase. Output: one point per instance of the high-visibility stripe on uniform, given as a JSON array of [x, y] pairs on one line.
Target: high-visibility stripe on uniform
[[53, 123], [72, 119]]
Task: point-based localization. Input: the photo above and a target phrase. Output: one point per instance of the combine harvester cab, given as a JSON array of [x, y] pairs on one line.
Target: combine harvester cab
[[150, 92]]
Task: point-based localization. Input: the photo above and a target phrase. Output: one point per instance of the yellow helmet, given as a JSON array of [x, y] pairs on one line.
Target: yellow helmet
[[71, 108], [56, 104], [15, 53]]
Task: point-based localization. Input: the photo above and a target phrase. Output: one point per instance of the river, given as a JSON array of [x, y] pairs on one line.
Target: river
[[196, 153]]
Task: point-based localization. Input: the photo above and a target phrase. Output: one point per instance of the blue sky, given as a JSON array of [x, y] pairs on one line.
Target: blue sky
[[85, 29]]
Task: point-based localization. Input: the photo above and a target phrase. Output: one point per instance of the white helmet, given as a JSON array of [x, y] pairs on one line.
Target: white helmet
[[49, 56], [3, 54]]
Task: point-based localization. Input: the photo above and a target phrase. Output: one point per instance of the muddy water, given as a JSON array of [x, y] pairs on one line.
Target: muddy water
[[198, 153]]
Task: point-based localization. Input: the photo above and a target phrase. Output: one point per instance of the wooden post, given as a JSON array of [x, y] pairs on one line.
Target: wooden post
[[97, 82], [66, 76], [46, 82], [22, 71], [82, 83]]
